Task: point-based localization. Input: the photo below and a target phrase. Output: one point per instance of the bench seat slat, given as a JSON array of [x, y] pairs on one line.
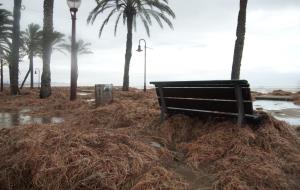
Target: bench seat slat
[[205, 93], [215, 83]]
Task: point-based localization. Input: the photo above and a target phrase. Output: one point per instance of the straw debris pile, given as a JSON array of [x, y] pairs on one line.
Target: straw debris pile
[[51, 157], [239, 158], [123, 146]]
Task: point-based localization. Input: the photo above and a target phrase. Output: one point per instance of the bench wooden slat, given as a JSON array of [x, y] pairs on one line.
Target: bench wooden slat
[[206, 113], [227, 93], [210, 105], [215, 83]]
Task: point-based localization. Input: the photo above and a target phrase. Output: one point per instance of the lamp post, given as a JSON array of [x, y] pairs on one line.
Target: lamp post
[[39, 72], [73, 5], [145, 63]]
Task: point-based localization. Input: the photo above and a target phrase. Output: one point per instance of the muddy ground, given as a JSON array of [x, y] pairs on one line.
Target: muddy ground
[[124, 146]]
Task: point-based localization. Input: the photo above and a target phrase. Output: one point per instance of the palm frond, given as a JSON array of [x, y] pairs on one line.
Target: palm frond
[[145, 9]]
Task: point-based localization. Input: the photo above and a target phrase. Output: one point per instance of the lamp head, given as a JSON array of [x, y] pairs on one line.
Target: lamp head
[[139, 49], [74, 4]]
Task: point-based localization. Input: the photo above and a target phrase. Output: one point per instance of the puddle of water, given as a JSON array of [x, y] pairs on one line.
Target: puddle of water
[[281, 110], [16, 118], [275, 105], [83, 94], [91, 100]]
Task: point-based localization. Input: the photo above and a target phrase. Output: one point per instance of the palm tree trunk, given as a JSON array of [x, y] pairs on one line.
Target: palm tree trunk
[[14, 83], [45, 91], [1, 75], [239, 43], [31, 70], [128, 53]]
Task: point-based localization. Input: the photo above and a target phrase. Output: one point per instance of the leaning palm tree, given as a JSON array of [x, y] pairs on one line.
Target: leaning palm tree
[[32, 38], [14, 83], [239, 43], [5, 29], [130, 10], [45, 91]]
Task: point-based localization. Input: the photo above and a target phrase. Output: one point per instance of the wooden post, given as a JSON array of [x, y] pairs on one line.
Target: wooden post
[[240, 104], [162, 104]]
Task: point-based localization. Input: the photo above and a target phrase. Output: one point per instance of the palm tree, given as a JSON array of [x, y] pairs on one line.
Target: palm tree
[[239, 43], [5, 29], [14, 83], [32, 38], [130, 10], [8, 57], [45, 91], [81, 47], [5, 36]]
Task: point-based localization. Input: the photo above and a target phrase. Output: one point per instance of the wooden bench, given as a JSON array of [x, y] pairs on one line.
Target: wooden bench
[[206, 98]]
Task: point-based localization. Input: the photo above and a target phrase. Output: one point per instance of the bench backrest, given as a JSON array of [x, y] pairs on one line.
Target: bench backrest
[[205, 96]]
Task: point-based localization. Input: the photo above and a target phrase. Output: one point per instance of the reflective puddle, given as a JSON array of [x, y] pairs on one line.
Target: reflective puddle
[[281, 110], [83, 94], [16, 118]]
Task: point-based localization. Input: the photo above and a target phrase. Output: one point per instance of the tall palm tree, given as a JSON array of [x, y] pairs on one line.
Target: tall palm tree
[[81, 47], [45, 91], [14, 83], [130, 10], [32, 38], [239, 43]]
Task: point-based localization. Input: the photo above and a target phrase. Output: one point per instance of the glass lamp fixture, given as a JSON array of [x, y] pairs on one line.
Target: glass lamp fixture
[[74, 4]]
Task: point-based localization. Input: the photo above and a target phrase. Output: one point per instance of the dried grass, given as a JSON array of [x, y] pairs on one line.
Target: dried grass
[[110, 147], [240, 158], [280, 93], [58, 157]]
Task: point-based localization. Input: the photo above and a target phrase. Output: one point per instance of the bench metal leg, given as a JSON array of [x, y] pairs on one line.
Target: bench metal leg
[[162, 104], [240, 104]]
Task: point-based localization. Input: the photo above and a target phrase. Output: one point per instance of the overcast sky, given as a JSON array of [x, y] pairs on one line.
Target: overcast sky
[[199, 48]]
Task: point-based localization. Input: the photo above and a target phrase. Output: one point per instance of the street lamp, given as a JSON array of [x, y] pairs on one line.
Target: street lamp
[[73, 5], [140, 50], [37, 71]]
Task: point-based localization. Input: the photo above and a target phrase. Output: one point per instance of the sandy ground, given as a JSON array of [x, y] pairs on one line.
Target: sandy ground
[[124, 146]]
